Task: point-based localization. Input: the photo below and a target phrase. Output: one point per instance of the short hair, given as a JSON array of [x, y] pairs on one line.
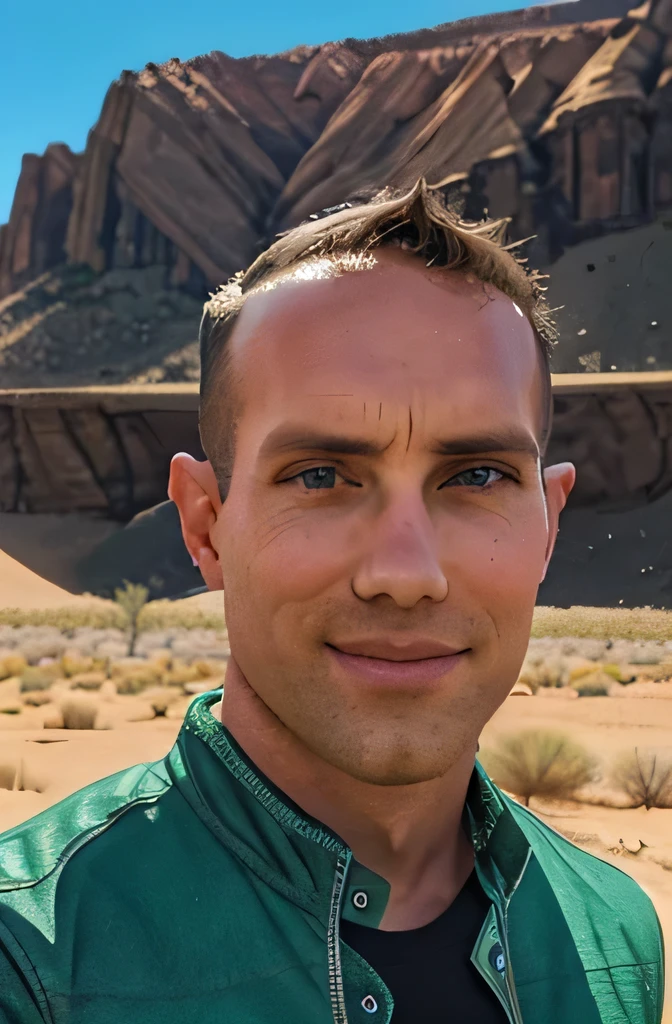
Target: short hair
[[420, 220]]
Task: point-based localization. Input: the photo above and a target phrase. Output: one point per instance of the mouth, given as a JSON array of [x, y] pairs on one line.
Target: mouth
[[418, 663]]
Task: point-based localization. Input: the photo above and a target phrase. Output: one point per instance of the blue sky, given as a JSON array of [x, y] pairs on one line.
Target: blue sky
[[59, 58]]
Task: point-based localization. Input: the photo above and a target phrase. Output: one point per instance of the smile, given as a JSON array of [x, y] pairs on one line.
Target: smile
[[399, 667]]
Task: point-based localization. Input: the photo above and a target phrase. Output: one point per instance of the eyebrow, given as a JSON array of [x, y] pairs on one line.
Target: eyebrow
[[287, 438]]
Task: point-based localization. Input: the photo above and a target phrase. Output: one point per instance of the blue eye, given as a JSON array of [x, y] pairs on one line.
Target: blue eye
[[322, 476], [479, 477]]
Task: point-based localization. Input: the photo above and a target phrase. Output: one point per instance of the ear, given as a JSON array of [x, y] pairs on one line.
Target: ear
[[559, 482], [193, 488]]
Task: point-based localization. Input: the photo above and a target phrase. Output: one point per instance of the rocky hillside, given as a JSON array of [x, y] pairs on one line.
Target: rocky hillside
[[557, 116]]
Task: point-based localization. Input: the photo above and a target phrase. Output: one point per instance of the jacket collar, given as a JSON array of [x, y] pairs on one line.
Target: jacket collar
[[296, 854]]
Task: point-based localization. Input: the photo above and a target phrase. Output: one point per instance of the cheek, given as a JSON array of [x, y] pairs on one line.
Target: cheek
[[287, 557], [499, 559]]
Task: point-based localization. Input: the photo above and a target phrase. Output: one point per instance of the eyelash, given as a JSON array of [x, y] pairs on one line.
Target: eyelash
[[352, 483]]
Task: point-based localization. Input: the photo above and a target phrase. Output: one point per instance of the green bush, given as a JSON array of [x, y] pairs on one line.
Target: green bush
[[541, 763]]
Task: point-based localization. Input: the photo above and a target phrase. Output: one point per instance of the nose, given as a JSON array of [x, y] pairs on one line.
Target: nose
[[402, 559]]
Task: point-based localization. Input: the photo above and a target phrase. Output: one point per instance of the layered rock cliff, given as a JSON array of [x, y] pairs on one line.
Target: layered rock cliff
[[559, 117]]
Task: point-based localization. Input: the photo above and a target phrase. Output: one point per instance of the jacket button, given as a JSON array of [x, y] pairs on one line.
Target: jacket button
[[360, 899], [369, 1004], [496, 958]]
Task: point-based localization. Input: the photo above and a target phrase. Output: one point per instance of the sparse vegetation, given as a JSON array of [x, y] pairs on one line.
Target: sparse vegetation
[[109, 615], [39, 677], [623, 623], [132, 598], [11, 664], [645, 776], [79, 713], [539, 763], [133, 675], [594, 684]]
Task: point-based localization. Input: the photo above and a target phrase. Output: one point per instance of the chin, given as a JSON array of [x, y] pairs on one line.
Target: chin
[[396, 765]]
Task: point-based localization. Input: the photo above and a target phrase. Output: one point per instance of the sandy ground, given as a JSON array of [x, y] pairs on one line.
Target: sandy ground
[[50, 764], [20, 587]]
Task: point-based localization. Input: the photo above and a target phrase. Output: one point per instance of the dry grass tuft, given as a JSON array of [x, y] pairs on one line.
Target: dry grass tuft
[[539, 762], [645, 776], [39, 677], [11, 664], [79, 713]]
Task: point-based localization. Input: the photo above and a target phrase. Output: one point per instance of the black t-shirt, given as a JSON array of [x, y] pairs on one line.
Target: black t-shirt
[[428, 970]]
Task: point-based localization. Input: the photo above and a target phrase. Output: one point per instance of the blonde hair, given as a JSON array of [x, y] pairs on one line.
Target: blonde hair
[[422, 222]]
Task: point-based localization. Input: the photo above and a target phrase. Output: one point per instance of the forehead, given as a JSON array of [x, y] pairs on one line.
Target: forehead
[[397, 332]]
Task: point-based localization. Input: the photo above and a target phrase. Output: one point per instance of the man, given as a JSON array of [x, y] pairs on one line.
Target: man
[[320, 845]]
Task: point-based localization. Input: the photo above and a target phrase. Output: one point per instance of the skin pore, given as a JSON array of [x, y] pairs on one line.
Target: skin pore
[[386, 505]]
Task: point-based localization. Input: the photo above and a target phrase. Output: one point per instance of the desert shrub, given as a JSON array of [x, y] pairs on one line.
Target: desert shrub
[[543, 669], [180, 673], [133, 675], [539, 763], [645, 776], [73, 663], [647, 654], [11, 710], [11, 664], [39, 678], [161, 657], [79, 713], [207, 669], [132, 598], [36, 698], [596, 684], [88, 680], [617, 674], [162, 698]]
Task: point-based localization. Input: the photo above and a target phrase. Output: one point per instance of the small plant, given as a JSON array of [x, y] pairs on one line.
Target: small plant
[[73, 664], [10, 711], [540, 763], [645, 777], [36, 698], [39, 678], [12, 665], [134, 678], [79, 713], [132, 599], [549, 670], [88, 681], [596, 684]]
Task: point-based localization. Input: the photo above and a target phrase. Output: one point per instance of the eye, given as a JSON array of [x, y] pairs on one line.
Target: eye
[[477, 477], [318, 478]]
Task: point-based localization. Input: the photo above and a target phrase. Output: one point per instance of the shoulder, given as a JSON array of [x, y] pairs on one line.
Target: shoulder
[[593, 893], [33, 850]]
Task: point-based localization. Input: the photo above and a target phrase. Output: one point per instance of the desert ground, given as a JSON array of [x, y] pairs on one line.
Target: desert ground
[[74, 707]]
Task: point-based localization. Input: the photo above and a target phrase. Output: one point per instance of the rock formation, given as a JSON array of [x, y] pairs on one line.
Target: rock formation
[[559, 117]]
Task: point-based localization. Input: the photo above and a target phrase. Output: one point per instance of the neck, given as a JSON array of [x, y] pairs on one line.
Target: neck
[[410, 835]]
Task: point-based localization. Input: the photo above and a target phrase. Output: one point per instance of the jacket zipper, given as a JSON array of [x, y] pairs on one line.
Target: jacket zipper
[[336, 993], [510, 983]]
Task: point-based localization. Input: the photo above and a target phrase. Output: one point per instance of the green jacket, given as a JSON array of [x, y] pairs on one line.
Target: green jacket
[[190, 890]]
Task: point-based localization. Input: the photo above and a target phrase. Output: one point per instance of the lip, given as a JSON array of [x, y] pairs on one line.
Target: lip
[[382, 648], [394, 666]]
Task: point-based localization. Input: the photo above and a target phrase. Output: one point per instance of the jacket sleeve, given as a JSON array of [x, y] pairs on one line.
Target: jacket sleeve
[[18, 1000]]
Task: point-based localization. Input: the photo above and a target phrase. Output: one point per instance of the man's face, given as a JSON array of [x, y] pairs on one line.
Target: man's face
[[385, 510]]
